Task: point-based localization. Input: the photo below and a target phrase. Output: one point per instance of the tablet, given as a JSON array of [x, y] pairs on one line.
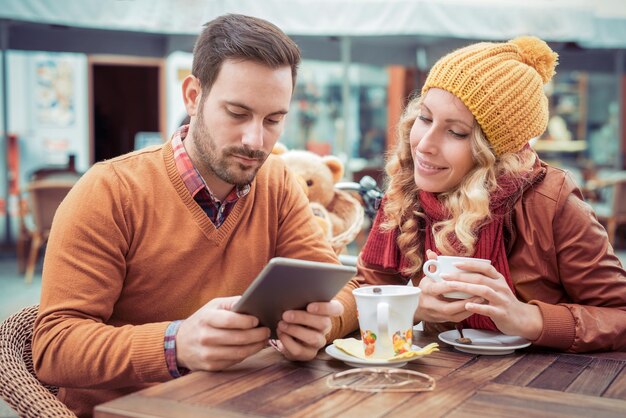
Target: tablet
[[286, 283]]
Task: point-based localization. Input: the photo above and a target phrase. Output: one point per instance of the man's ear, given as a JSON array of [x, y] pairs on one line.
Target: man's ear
[[192, 91]]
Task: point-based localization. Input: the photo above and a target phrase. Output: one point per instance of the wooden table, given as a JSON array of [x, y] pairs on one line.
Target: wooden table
[[529, 383]]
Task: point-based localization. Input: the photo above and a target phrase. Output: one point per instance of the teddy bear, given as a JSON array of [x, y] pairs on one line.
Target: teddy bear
[[338, 213]]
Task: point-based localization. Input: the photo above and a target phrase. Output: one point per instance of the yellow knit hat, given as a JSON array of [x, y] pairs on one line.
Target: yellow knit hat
[[502, 85]]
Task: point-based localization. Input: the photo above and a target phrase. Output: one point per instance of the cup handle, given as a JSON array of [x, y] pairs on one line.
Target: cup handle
[[426, 269], [383, 319]]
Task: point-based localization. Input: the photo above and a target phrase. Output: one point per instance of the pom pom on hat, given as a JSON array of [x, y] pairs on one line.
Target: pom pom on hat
[[538, 55], [502, 85]]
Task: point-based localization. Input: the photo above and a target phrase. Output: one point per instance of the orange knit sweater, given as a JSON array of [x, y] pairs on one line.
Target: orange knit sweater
[[130, 251]]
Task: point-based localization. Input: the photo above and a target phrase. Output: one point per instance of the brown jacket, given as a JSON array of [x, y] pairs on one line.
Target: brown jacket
[[560, 260]]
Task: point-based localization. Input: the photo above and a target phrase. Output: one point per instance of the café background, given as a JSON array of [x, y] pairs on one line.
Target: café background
[[79, 83], [86, 80]]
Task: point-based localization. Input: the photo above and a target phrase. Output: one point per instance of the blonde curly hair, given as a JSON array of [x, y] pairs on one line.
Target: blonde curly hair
[[468, 203]]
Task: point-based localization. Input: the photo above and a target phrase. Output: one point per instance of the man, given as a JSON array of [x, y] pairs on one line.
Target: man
[[145, 240]]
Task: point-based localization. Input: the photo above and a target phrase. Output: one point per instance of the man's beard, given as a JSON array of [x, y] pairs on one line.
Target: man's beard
[[223, 165]]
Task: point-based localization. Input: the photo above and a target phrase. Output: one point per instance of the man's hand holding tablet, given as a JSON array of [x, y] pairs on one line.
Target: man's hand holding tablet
[[289, 284], [292, 298]]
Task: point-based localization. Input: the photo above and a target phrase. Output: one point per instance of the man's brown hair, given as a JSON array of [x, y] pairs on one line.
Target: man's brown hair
[[241, 37]]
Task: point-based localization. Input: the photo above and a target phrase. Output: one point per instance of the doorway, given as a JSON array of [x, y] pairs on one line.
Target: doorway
[[126, 99]]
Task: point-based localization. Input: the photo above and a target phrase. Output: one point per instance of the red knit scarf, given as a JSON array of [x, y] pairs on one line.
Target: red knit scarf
[[489, 245], [381, 247]]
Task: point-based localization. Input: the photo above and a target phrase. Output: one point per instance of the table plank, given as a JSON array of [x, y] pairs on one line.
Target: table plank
[[251, 401], [296, 399], [561, 373], [243, 384], [448, 358], [327, 363], [617, 389], [139, 406], [613, 355], [332, 405], [525, 370], [197, 382], [382, 404], [499, 400], [597, 377]]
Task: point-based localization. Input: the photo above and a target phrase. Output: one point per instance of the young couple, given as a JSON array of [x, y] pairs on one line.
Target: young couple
[[143, 241]]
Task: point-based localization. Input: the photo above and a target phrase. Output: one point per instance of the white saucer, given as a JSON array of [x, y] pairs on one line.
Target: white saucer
[[334, 352], [485, 342]]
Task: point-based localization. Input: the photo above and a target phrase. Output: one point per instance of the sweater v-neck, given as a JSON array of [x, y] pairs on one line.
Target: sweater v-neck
[[213, 234]]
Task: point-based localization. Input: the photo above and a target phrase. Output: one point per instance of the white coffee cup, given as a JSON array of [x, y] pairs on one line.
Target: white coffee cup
[[445, 264], [386, 319]]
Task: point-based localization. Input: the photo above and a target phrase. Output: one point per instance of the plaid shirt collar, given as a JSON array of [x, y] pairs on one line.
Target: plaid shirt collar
[[195, 183]]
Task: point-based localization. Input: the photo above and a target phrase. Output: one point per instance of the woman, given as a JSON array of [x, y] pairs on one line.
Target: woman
[[463, 181]]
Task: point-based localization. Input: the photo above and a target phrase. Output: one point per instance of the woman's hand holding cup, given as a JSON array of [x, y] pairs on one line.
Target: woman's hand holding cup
[[435, 305], [487, 293]]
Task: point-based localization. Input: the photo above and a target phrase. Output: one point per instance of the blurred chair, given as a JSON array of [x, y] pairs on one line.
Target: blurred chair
[[19, 385], [60, 172], [611, 208], [44, 196], [55, 174]]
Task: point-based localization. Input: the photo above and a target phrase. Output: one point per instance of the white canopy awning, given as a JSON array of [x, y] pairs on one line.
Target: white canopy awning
[[591, 24]]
